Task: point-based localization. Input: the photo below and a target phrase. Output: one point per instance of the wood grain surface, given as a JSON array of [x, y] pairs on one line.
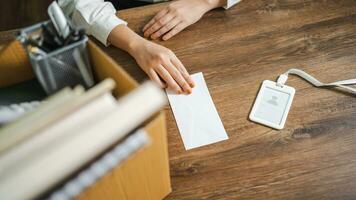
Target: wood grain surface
[[15, 14], [314, 156]]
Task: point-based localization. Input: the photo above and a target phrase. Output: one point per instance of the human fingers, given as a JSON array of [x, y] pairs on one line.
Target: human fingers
[[158, 24], [182, 70], [155, 18], [154, 77], [167, 27], [177, 76], [171, 83], [174, 31]]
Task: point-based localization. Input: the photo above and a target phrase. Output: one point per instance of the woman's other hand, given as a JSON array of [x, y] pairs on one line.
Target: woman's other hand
[[177, 16]]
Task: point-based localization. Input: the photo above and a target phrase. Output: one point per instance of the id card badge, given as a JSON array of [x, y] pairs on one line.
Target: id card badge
[[272, 104]]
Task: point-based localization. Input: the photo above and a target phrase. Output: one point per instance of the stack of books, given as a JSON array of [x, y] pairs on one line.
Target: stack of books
[[66, 132]]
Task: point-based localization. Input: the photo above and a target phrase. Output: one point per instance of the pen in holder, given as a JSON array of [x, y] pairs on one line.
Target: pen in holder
[[57, 52]]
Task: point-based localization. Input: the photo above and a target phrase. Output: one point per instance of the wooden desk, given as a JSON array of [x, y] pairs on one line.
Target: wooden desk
[[314, 157]]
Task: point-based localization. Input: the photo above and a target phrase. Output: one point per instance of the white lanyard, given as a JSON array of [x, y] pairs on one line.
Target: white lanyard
[[342, 84], [274, 100]]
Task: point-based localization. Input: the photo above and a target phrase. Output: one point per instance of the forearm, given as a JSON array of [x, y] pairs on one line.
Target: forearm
[[215, 3], [211, 4], [124, 38]]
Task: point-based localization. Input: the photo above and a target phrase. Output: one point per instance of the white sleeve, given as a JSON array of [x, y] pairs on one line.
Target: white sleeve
[[97, 17], [230, 3]]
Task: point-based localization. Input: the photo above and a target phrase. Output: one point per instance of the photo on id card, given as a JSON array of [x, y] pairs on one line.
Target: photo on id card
[[272, 104]]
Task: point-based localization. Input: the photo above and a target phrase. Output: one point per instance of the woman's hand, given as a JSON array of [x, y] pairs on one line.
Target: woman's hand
[[160, 63], [177, 16], [163, 67]]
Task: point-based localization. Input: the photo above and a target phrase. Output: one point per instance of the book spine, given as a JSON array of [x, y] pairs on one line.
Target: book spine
[[102, 166]]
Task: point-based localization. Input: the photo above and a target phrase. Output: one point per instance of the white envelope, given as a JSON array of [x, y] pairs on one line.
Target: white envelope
[[198, 121]]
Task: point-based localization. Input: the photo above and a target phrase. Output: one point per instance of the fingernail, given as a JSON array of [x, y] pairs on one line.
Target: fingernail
[[180, 92], [189, 91], [192, 85]]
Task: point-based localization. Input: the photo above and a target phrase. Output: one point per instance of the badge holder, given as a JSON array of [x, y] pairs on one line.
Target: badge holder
[[274, 99], [272, 104]]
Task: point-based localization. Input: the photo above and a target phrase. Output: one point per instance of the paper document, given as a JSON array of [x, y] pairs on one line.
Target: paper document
[[198, 121]]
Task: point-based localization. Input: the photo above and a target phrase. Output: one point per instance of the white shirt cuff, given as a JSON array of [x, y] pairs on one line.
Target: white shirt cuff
[[102, 27], [230, 3]]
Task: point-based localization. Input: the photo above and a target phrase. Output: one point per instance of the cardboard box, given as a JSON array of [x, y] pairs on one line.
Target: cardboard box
[[143, 176]]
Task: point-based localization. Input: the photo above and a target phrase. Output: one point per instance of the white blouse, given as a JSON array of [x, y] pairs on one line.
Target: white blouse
[[98, 17]]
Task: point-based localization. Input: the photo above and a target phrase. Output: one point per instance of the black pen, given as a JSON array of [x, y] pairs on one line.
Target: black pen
[[51, 36]]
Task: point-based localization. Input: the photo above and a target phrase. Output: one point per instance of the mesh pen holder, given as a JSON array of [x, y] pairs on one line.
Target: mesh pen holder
[[66, 66]]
